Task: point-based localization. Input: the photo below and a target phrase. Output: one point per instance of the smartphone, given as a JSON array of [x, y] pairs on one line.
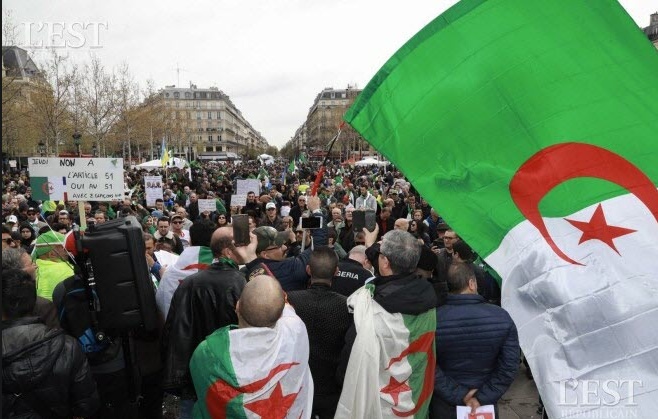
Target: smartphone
[[240, 225], [312, 222], [361, 219]]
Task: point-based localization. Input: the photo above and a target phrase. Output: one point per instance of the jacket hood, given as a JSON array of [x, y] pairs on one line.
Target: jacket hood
[[29, 352], [404, 293]]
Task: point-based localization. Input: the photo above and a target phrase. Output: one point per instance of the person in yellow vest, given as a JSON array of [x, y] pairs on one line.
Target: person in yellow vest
[[52, 262]]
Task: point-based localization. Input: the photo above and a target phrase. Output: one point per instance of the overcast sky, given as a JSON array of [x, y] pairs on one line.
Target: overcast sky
[[272, 57]]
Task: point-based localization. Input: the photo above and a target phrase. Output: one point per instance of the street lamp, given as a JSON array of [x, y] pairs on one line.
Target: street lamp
[[94, 150], [76, 141], [42, 148]]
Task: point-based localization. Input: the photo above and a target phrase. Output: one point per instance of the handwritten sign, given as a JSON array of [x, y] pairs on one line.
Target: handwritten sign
[[153, 189], [244, 186], [207, 205], [76, 179], [238, 200]]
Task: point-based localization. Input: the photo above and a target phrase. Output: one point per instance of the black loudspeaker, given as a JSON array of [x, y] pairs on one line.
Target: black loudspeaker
[[123, 283]]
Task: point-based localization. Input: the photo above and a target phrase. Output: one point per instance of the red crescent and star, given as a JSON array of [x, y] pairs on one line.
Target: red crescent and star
[[558, 163]]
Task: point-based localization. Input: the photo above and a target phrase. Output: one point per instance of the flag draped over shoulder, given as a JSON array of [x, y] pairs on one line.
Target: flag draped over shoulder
[[192, 260], [538, 125], [256, 372], [390, 372]]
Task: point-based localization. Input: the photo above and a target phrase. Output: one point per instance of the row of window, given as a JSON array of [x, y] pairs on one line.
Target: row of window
[[197, 95]]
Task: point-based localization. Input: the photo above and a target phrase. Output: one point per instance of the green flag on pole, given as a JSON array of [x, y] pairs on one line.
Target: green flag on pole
[[538, 125]]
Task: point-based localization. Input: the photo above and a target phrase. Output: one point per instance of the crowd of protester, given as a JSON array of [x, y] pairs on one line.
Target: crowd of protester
[[204, 283]]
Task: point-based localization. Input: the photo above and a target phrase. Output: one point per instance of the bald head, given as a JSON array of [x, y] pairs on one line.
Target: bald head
[[261, 302], [401, 224]]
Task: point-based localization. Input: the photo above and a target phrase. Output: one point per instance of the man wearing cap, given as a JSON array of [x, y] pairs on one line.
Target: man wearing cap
[[33, 219], [52, 262], [271, 251], [271, 218], [11, 222]]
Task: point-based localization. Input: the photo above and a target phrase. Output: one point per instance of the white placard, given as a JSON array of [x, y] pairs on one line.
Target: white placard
[[207, 205], [12, 164], [245, 186], [80, 179], [238, 200], [483, 412], [152, 189]]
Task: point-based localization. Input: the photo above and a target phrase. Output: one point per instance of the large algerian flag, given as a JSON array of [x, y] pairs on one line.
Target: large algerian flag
[[192, 260], [390, 372], [538, 125], [257, 372]]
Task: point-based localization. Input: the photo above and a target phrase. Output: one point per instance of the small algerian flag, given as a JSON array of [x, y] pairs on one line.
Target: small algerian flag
[[49, 188], [192, 260], [256, 372], [390, 372], [292, 167], [538, 125]]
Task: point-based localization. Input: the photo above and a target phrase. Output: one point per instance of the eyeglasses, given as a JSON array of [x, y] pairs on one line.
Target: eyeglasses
[[9, 241], [360, 243], [221, 216], [177, 222]]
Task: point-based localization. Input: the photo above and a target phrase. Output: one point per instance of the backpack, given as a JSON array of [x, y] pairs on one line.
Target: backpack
[[75, 318]]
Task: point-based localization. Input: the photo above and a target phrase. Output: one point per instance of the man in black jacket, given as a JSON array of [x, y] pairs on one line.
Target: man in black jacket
[[477, 348], [352, 273], [325, 315], [44, 372], [202, 303]]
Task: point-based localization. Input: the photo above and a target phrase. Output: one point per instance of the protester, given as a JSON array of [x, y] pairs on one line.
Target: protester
[[43, 308], [392, 308], [44, 372], [465, 376], [261, 366], [327, 320], [202, 303]]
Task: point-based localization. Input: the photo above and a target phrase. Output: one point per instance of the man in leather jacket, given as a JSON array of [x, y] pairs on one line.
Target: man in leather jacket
[[202, 303], [45, 373]]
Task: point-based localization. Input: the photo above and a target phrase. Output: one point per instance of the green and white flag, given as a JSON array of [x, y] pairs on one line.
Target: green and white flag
[[256, 372], [390, 372], [538, 125], [192, 260], [292, 168], [51, 188]]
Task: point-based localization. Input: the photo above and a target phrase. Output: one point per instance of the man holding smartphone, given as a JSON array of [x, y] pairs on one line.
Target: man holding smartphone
[[269, 258]]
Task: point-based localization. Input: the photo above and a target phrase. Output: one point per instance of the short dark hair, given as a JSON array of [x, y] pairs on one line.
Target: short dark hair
[[323, 263], [201, 233], [459, 274], [6, 230], [464, 250], [163, 218], [19, 293]]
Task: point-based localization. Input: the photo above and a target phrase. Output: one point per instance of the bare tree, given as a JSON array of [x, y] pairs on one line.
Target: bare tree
[[99, 101], [127, 96], [49, 99]]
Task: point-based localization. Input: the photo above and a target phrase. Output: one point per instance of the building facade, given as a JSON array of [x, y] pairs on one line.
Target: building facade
[[206, 125], [321, 125], [652, 30]]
